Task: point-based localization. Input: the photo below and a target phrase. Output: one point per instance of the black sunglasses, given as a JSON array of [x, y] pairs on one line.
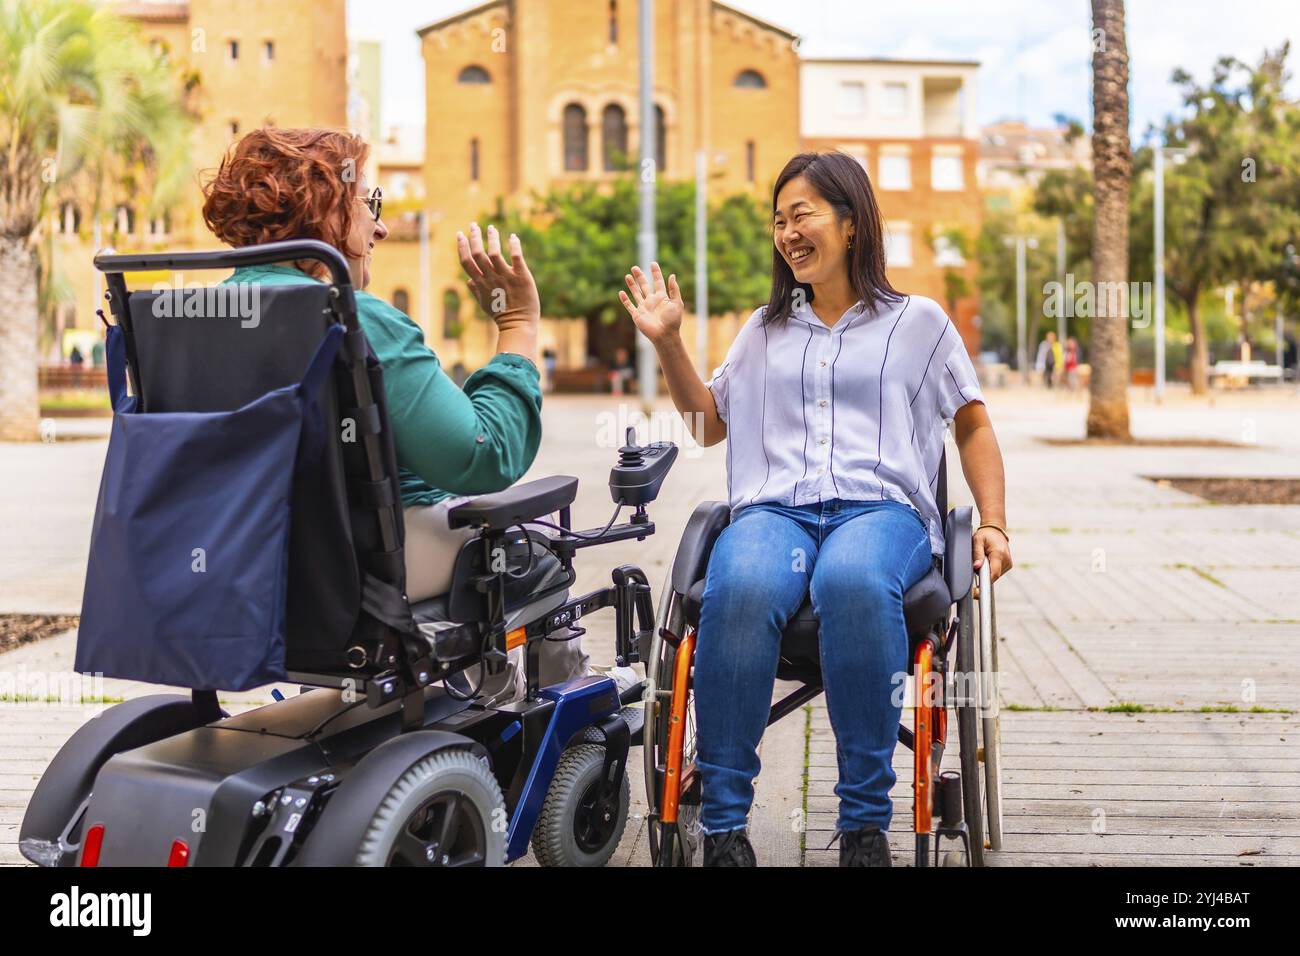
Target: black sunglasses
[[374, 202]]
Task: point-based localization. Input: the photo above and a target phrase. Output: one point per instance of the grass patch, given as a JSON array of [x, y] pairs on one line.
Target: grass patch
[[1234, 709], [1128, 707], [1025, 708], [1201, 573]]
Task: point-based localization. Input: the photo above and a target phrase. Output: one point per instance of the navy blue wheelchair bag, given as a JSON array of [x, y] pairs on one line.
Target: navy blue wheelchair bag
[[187, 579]]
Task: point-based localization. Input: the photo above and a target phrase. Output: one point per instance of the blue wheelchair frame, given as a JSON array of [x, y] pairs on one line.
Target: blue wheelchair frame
[[296, 782]]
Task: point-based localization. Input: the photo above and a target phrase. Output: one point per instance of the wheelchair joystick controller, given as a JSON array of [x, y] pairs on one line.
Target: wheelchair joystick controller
[[639, 474]]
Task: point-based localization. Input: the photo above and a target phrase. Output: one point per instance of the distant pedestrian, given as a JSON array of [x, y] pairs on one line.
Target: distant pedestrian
[[1049, 358], [623, 372], [549, 361], [1072, 363]]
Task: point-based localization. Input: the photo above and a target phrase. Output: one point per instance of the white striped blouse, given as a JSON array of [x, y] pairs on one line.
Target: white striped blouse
[[856, 411]]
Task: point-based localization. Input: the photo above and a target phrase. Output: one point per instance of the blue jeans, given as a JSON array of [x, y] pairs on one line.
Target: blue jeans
[[858, 558]]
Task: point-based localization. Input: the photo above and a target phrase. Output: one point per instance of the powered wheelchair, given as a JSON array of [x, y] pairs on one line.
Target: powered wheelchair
[[385, 757], [945, 609]]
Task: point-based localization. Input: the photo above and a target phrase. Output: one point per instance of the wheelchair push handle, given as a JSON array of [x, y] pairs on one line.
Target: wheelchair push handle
[[266, 253]]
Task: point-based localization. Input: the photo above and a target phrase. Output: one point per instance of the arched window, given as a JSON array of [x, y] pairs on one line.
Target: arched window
[[402, 301], [613, 130], [126, 220], [575, 138], [69, 218], [451, 314], [473, 74], [750, 80], [613, 21], [661, 140], [473, 160]]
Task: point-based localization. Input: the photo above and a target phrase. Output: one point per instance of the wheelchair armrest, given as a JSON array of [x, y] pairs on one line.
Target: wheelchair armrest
[[958, 568], [702, 530], [515, 505]]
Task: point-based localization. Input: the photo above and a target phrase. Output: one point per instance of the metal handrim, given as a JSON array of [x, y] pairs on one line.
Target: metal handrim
[[968, 725], [989, 710]]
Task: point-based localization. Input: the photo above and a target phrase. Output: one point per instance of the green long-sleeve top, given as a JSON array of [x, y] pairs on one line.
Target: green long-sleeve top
[[449, 441]]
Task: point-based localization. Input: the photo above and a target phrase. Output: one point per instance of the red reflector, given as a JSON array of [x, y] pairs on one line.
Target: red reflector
[[90, 846], [180, 855]]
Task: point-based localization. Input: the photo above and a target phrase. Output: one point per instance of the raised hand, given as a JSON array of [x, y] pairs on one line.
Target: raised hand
[[656, 308], [504, 290]]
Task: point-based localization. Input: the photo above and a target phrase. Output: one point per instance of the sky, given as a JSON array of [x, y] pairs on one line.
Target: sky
[[1034, 54]]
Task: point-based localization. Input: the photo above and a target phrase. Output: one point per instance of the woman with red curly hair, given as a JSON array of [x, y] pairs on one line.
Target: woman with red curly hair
[[308, 184]]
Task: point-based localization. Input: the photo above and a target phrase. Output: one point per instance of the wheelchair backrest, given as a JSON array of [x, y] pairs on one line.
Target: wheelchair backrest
[[208, 357]]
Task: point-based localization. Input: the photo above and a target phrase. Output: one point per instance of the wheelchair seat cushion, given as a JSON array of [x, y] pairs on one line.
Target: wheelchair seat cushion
[[925, 603]]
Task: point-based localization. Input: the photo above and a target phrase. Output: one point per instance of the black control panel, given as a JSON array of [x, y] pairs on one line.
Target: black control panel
[[640, 471]]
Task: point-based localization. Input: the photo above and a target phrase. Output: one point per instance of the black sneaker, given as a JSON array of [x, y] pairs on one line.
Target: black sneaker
[[866, 847], [728, 849]]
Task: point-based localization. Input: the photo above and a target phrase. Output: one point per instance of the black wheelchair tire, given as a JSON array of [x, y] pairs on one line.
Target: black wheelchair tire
[[451, 782], [563, 836], [968, 720]]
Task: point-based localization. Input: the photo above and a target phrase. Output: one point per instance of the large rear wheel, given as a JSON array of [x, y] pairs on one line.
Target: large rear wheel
[[447, 810], [966, 701], [672, 784]]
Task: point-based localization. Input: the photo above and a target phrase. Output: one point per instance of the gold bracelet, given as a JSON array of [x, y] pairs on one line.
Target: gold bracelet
[[996, 527]]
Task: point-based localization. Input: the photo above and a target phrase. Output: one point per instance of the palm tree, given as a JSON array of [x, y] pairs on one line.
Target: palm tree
[[1112, 168], [82, 102]]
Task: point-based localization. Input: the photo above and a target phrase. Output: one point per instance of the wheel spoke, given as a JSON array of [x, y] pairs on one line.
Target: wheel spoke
[[410, 850], [450, 828]]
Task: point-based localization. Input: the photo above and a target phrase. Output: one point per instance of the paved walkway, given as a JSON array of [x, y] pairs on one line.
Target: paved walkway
[[1126, 595]]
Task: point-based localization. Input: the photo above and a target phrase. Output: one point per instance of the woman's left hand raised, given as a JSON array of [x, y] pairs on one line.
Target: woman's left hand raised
[[989, 544]]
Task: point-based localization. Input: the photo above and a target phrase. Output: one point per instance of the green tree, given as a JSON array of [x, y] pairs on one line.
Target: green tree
[[580, 240], [82, 101], [1233, 205], [1067, 195], [996, 277]]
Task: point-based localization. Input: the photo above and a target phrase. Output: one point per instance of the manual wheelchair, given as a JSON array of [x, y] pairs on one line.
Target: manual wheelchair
[[945, 609], [385, 757]]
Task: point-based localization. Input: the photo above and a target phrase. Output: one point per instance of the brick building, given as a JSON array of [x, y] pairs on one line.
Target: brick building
[[229, 56], [912, 124], [524, 95]]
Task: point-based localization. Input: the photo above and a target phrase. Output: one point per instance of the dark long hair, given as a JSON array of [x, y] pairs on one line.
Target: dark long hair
[[843, 183]]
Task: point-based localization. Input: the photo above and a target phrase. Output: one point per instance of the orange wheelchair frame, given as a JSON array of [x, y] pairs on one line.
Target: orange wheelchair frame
[[947, 610]]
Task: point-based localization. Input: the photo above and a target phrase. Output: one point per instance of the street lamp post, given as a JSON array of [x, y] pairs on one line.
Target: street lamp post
[[1158, 211], [702, 262], [1022, 361], [647, 239], [1060, 274]]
